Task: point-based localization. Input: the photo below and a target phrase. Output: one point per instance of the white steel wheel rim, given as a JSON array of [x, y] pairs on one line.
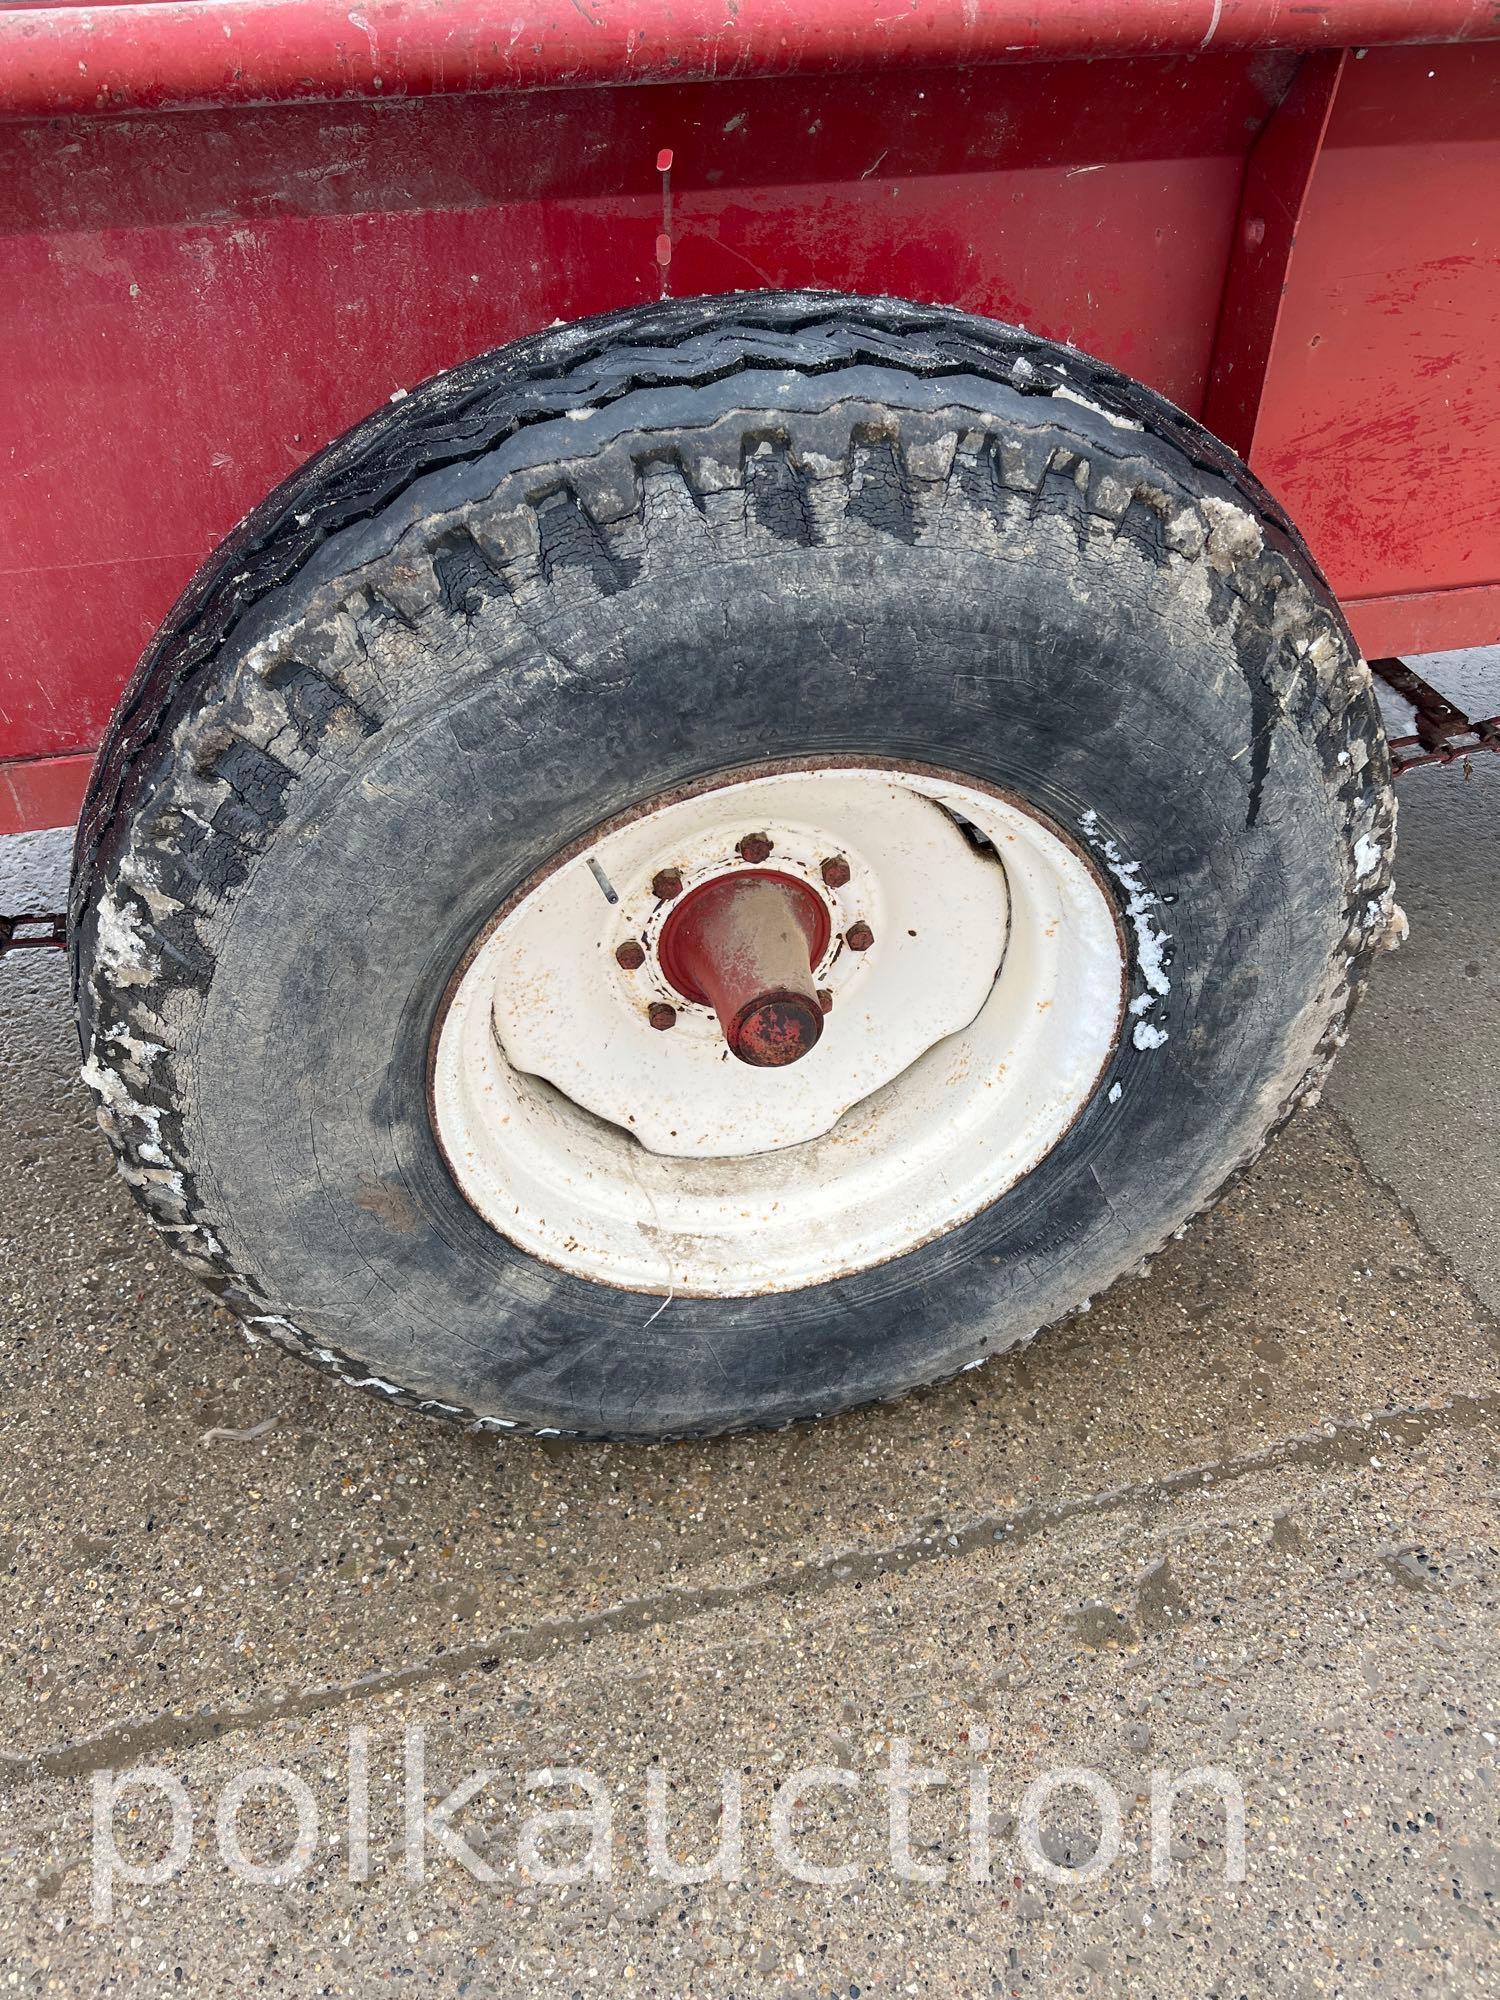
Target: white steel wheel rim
[[656, 1162]]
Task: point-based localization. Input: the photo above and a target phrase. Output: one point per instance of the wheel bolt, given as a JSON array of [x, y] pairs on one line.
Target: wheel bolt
[[835, 871], [630, 955], [754, 847], [660, 1015], [825, 999], [665, 884], [859, 937]]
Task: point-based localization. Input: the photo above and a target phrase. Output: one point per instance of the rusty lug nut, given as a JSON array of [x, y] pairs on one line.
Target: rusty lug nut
[[754, 847], [825, 999], [665, 884], [660, 1015], [859, 937], [835, 871], [630, 955]]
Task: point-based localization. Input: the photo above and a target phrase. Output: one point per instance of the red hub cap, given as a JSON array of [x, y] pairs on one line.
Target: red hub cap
[[745, 945]]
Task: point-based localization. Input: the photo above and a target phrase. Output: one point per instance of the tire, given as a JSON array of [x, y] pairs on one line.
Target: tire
[[609, 562]]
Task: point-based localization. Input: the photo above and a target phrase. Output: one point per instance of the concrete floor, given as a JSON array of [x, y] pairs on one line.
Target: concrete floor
[[1242, 1516], [1420, 1081]]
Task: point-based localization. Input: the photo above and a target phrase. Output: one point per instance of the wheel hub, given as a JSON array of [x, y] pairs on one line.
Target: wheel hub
[[745, 945], [690, 1058]]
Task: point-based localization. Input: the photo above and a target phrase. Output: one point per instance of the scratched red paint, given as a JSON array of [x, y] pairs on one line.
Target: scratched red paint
[[1382, 433], [65, 60], [190, 305]]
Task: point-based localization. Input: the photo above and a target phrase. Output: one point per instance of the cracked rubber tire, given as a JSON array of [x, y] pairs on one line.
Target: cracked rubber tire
[[602, 563]]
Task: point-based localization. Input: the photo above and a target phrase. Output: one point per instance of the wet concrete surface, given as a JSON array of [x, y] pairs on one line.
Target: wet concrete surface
[[1241, 1516]]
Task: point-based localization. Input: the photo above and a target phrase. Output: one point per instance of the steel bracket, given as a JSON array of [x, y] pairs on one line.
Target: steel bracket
[[1444, 734]]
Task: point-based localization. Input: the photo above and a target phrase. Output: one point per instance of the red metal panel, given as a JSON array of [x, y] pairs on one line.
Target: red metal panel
[[1277, 178], [166, 53], [1379, 426], [191, 306], [1431, 621], [42, 791]]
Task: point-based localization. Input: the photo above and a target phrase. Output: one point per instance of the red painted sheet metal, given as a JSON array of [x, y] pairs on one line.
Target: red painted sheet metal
[[1426, 621], [1379, 419], [42, 791], [1278, 181], [181, 52], [190, 306]]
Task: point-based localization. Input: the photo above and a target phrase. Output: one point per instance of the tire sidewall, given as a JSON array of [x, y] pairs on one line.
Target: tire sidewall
[[348, 931]]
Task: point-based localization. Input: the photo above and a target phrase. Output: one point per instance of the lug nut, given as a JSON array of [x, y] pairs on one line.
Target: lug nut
[[825, 999], [665, 884], [660, 1015], [835, 871], [859, 937], [754, 847], [630, 955]]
